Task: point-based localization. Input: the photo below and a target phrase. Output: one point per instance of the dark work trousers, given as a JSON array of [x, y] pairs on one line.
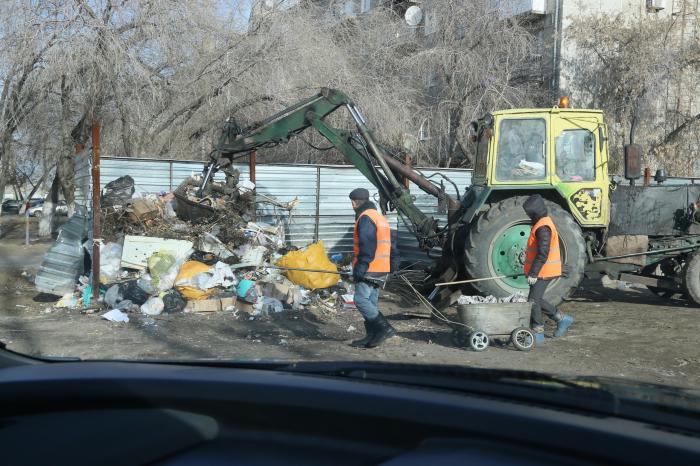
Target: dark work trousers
[[539, 305]]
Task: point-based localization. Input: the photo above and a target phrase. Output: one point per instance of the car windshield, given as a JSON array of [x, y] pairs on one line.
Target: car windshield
[[297, 181]]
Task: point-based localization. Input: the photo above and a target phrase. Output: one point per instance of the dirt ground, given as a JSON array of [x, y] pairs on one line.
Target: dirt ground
[[620, 332]]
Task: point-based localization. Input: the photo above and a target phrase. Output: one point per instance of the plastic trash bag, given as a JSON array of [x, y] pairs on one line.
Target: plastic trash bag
[[271, 305], [133, 292], [110, 262], [118, 192], [184, 284], [173, 302], [219, 275], [68, 300], [153, 307], [87, 296], [159, 264], [113, 296], [312, 257], [247, 292], [146, 284], [169, 209]]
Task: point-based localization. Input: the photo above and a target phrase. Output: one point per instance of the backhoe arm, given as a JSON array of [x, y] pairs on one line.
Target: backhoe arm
[[359, 148]]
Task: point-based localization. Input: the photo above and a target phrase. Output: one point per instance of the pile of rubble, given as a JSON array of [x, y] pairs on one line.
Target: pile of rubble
[[179, 252]]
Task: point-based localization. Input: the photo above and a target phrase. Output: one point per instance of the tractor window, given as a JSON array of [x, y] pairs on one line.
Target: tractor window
[[521, 150], [575, 155]]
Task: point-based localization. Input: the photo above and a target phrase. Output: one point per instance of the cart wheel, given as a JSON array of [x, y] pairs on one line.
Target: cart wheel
[[479, 340], [460, 337], [522, 338]]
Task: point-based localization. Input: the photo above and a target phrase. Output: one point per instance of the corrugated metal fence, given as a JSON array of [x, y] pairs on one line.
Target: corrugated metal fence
[[324, 211]]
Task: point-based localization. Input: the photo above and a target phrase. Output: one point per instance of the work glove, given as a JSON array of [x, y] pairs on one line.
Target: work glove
[[531, 280]]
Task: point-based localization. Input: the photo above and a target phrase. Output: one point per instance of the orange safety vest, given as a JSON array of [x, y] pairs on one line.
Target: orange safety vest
[[552, 267], [382, 255]]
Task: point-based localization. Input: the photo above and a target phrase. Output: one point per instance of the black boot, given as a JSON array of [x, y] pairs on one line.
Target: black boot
[[384, 331], [370, 330]]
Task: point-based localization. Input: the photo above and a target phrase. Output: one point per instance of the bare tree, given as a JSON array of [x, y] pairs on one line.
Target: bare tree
[[644, 73], [29, 33]]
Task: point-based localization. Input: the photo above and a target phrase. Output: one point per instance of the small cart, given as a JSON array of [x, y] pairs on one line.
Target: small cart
[[485, 320]]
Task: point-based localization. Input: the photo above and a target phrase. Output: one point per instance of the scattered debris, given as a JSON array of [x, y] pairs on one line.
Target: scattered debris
[[179, 252], [514, 298], [115, 315], [142, 210], [173, 302], [153, 307], [138, 249], [68, 300], [211, 305], [118, 193]]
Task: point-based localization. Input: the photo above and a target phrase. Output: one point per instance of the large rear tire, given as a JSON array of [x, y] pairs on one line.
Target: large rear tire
[[691, 278], [496, 245]]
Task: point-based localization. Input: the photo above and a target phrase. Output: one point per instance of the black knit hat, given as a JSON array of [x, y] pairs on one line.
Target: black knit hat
[[359, 194]]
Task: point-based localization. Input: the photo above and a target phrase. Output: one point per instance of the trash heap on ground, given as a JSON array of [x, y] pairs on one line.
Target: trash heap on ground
[[186, 252]]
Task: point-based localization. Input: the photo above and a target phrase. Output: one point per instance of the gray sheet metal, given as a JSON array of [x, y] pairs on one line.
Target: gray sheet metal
[[651, 210], [63, 262]]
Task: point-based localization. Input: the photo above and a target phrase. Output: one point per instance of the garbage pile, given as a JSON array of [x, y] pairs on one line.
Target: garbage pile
[[178, 252], [514, 298]]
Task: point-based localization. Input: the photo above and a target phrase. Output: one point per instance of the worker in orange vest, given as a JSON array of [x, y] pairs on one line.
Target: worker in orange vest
[[371, 260], [542, 265]]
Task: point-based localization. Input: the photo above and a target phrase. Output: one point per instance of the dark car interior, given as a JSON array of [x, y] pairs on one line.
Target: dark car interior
[[70, 412]]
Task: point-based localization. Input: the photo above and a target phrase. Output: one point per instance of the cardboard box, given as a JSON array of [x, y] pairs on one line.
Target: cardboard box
[[143, 209], [245, 307], [210, 305], [278, 291]]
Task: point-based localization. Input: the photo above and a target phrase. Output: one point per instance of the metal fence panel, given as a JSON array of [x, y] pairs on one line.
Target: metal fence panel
[[324, 210], [150, 176]]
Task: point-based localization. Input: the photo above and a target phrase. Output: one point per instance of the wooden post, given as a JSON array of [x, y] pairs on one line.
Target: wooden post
[[647, 176], [96, 211], [251, 165]]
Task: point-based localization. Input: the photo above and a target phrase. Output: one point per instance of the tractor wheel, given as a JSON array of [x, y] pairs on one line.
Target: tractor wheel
[[496, 245], [692, 279]]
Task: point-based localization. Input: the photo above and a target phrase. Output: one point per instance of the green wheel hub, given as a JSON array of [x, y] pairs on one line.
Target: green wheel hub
[[508, 254]]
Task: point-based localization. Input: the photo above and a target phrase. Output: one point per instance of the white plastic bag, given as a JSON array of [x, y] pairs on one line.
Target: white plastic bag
[[110, 262], [167, 280], [153, 307], [219, 275]]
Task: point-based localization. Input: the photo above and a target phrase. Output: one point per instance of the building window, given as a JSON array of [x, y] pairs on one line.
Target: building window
[[429, 21], [521, 150], [575, 155], [349, 8]]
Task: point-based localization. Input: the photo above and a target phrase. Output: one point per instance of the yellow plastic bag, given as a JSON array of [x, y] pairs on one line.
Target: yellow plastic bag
[[313, 257], [188, 270]]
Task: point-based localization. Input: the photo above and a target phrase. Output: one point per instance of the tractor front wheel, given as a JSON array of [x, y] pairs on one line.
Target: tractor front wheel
[[497, 241]]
